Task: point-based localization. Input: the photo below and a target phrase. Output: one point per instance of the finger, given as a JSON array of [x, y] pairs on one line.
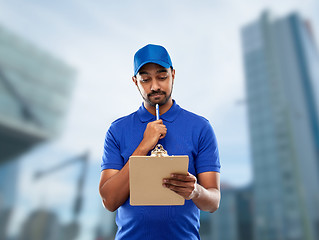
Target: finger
[[161, 126], [163, 133], [182, 177], [179, 183], [162, 136], [184, 192], [160, 121], [175, 188]]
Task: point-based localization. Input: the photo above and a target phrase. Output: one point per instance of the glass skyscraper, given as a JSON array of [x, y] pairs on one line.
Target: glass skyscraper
[[281, 70], [233, 219], [35, 90]]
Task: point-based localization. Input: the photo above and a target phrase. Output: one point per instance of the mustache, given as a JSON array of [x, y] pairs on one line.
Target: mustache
[[156, 92]]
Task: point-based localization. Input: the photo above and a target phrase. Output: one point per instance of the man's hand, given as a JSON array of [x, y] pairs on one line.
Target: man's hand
[[154, 131], [184, 185]]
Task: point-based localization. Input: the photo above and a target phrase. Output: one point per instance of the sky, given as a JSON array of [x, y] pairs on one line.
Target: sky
[[99, 38]]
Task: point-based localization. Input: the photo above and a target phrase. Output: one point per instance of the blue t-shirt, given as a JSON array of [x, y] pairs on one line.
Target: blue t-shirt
[[187, 134]]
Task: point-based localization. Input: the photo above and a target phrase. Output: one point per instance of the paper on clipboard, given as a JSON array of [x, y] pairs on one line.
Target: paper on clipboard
[[146, 179]]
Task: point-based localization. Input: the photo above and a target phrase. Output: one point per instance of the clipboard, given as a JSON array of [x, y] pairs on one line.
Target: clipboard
[[146, 178]]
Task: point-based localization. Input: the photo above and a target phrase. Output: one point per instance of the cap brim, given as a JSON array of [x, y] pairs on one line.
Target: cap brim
[[163, 64]]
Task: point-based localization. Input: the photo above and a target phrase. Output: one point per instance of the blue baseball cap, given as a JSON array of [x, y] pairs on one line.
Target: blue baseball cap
[[151, 54]]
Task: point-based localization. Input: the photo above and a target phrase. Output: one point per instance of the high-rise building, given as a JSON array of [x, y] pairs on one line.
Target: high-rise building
[[41, 225], [281, 71], [35, 90], [106, 227], [233, 219], [224, 220], [8, 185]]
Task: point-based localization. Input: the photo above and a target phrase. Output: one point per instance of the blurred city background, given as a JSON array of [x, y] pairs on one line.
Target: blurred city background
[[250, 67]]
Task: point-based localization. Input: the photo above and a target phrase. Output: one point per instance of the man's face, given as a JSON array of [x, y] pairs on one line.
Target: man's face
[[155, 83]]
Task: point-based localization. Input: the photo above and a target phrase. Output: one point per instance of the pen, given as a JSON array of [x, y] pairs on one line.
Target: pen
[[157, 112]]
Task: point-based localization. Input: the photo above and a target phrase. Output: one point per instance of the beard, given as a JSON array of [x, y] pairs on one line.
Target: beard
[[163, 102]]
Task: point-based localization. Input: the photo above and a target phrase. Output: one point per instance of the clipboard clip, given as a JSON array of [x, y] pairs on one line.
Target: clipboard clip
[[159, 151]]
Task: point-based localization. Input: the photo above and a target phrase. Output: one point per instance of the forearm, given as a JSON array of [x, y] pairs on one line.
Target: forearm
[[115, 189], [207, 199]]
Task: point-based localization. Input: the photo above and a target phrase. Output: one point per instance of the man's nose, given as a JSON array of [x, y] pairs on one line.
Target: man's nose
[[155, 86]]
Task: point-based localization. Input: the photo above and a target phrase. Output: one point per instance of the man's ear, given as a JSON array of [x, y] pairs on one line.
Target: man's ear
[[134, 80], [173, 75]]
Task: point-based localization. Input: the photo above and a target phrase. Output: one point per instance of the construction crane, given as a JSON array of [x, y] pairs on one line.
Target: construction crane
[[71, 230]]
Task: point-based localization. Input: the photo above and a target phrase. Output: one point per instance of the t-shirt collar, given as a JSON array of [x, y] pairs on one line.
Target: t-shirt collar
[[169, 116]]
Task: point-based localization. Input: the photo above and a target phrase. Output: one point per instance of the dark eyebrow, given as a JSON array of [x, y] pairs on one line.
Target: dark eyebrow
[[158, 71], [143, 73], [162, 70]]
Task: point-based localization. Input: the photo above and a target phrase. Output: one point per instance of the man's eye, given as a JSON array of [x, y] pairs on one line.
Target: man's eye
[[163, 78], [145, 80]]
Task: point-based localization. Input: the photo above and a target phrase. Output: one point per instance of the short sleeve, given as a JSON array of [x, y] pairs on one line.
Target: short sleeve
[[111, 158], [207, 159]]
